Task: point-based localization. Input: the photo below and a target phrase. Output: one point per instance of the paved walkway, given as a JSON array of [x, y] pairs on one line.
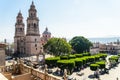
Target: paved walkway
[[114, 73]]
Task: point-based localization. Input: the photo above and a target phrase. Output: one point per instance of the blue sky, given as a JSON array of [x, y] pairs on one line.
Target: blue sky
[[64, 18]]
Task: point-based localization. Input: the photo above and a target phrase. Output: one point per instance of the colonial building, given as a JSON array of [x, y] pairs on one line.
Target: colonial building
[[110, 48], [2, 54], [31, 42]]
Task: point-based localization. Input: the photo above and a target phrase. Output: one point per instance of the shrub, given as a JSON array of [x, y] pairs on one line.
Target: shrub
[[84, 59], [63, 57], [79, 55], [97, 57], [66, 64], [101, 64], [114, 58], [78, 62], [118, 54], [94, 67], [86, 54], [71, 56], [103, 56], [52, 61], [91, 59]]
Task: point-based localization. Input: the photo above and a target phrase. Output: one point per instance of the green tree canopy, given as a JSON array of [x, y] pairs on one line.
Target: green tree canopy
[[80, 44], [57, 46]]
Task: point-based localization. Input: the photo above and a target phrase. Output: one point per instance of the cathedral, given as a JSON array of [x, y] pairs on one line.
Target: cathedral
[[30, 43]]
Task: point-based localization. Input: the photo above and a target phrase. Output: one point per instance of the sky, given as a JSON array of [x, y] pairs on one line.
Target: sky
[[64, 18]]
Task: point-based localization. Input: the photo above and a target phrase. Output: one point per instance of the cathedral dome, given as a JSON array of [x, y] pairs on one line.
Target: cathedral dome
[[46, 31]]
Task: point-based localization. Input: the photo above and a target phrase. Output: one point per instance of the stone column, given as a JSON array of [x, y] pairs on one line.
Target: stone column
[[14, 67], [65, 74], [45, 71], [37, 57]]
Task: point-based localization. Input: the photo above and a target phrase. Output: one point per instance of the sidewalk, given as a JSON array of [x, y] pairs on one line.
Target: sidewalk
[[113, 74]]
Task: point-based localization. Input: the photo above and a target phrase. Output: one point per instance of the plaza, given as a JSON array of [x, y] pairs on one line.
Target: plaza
[[65, 54], [113, 74], [87, 74]]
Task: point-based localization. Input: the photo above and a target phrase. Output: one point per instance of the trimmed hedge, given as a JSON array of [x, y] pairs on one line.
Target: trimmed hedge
[[66, 64], [103, 56], [114, 58], [94, 67], [71, 56], [101, 64], [85, 60], [63, 57], [86, 54], [52, 61], [119, 54], [97, 57], [78, 62], [91, 59], [78, 55]]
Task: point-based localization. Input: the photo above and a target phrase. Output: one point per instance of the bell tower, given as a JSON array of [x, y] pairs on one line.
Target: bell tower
[[32, 22], [32, 34], [19, 34]]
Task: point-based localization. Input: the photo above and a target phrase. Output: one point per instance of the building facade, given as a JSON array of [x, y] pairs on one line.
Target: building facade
[[2, 54], [31, 42], [110, 48]]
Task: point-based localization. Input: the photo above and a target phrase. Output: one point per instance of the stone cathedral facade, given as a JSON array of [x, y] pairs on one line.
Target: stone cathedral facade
[[31, 42]]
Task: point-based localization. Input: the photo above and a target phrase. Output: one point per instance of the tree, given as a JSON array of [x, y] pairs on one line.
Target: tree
[[80, 44], [57, 46]]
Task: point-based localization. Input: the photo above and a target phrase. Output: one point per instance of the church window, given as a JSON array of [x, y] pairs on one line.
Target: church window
[[41, 47], [34, 25], [36, 48], [20, 21], [28, 25], [35, 45], [20, 29], [21, 40], [35, 40], [31, 14]]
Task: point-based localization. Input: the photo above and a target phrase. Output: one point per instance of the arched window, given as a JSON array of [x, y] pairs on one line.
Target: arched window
[[28, 25], [31, 14], [35, 40], [34, 14], [34, 25], [35, 45], [20, 29]]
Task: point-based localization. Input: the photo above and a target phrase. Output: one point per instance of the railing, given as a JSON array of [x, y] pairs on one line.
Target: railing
[[27, 69], [38, 74]]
